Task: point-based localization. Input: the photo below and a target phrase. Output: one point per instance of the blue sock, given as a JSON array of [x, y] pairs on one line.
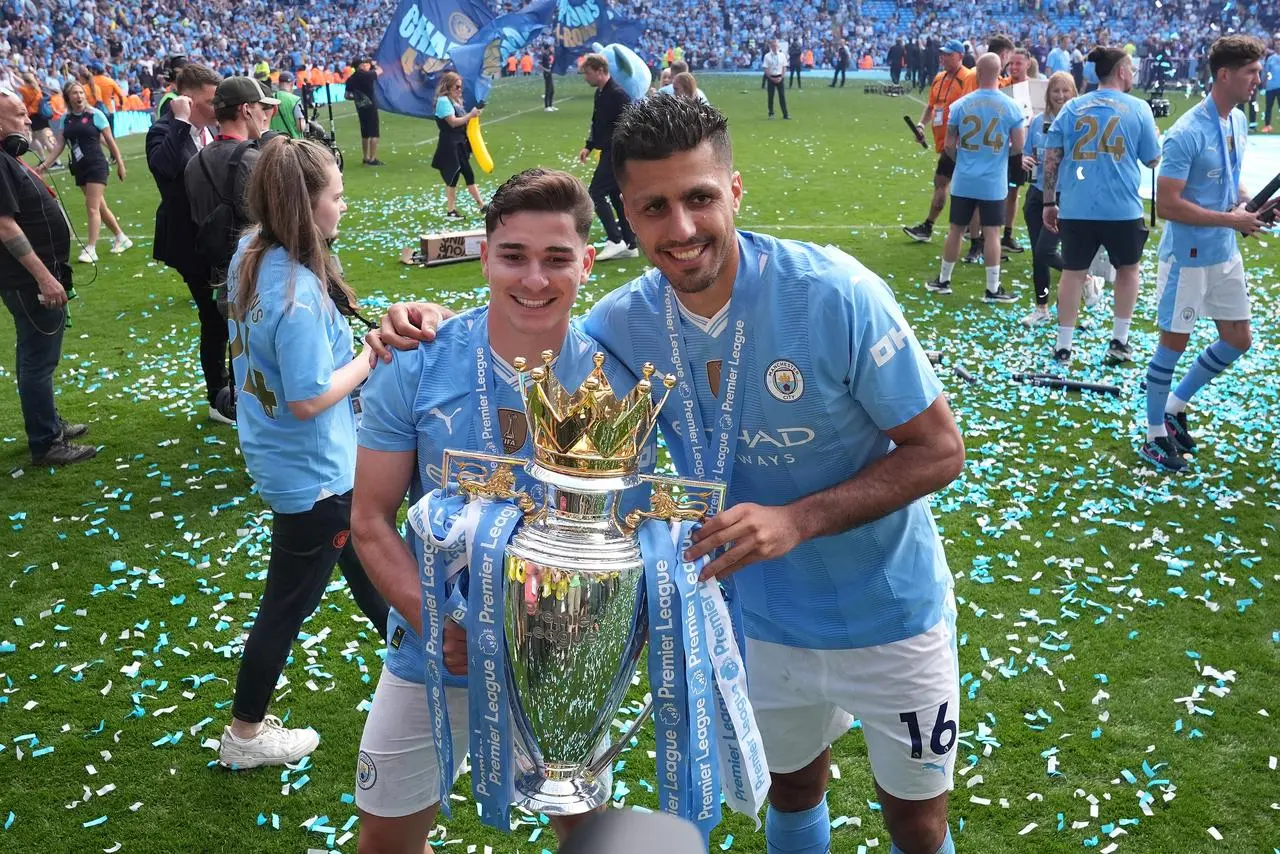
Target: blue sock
[[806, 832], [1215, 359], [948, 847], [1159, 379]]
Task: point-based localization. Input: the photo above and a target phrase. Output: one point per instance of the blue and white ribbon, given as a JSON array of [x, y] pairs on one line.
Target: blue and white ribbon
[[705, 731], [488, 694]]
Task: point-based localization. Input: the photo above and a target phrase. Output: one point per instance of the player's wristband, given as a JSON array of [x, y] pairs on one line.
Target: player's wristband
[[1049, 205]]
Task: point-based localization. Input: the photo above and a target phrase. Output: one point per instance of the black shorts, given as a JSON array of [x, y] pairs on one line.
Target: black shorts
[[368, 122], [946, 166], [1017, 175], [990, 212], [38, 122], [94, 171], [1081, 239]]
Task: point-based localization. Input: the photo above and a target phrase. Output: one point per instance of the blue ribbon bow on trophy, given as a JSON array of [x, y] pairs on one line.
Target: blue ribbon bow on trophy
[[561, 595]]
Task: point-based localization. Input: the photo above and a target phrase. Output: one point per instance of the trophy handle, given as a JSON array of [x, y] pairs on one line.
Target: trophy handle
[[698, 500], [487, 476], [595, 769]]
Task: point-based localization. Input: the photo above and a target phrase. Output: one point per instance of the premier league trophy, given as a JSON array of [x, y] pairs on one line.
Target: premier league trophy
[[575, 620]]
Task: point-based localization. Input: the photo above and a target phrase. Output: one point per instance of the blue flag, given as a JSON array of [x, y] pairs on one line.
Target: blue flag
[[480, 60], [581, 23], [417, 48]]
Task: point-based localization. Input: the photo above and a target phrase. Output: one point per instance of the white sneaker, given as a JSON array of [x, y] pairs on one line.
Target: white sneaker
[[548, 109], [611, 250], [121, 244], [1038, 317], [274, 745], [88, 255], [1093, 290], [629, 252]]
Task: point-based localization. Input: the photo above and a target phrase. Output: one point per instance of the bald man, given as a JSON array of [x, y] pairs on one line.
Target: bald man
[[984, 130]]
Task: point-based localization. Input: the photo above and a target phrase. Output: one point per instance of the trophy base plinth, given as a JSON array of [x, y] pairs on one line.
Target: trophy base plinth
[[559, 797]]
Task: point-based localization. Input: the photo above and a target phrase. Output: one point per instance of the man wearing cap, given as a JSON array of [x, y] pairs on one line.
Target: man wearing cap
[[950, 85], [243, 113], [289, 119]]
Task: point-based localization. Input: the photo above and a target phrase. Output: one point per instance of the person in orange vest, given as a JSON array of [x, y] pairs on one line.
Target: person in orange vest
[[110, 96], [808, 59], [511, 66], [33, 98], [526, 64], [669, 57]]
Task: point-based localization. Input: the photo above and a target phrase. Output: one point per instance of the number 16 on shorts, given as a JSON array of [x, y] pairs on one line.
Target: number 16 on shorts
[[939, 734]]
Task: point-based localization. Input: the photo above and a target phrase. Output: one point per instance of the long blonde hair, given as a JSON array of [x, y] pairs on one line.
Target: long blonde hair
[[1063, 77], [444, 87], [289, 176]]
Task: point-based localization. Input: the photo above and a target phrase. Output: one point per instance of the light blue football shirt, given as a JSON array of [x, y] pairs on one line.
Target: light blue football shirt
[[1271, 72], [983, 119], [287, 350], [1193, 152], [424, 401], [827, 365], [1104, 136], [1036, 135]]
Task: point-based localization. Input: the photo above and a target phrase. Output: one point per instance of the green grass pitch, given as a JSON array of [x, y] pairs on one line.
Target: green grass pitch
[[1120, 642]]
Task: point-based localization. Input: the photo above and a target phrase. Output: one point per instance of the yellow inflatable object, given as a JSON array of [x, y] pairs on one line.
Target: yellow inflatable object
[[478, 148]]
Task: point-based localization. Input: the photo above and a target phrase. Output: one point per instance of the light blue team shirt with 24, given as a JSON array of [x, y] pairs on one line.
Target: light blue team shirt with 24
[[1206, 151], [826, 363], [983, 119], [1104, 136], [287, 349]]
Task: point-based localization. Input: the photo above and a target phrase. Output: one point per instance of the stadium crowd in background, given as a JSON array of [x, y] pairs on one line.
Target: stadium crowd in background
[[127, 46]]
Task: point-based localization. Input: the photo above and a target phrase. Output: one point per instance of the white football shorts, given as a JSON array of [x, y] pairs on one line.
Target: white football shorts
[[905, 694], [1186, 294]]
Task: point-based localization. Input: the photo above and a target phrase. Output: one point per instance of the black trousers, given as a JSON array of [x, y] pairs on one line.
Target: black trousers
[[213, 335], [1044, 244], [304, 549], [607, 197], [1273, 98], [548, 89], [782, 97], [895, 73], [793, 77], [839, 75]]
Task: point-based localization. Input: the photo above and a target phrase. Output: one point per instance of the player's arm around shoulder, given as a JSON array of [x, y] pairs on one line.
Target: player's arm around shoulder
[[890, 377]]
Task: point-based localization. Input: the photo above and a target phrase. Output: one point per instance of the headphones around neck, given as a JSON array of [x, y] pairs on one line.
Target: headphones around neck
[[16, 145]]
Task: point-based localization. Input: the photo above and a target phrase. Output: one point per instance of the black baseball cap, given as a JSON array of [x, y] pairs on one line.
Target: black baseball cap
[[234, 91]]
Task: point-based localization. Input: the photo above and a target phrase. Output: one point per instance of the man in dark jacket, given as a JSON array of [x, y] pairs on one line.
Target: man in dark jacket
[[897, 53], [841, 63], [35, 280], [610, 101], [172, 141]]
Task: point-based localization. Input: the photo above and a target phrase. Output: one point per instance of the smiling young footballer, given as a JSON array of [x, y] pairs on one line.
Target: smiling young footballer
[[801, 386], [461, 393], [1201, 273]]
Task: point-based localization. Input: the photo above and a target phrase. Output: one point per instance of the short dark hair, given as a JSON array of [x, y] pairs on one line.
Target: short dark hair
[[1234, 52], [678, 67], [999, 42], [659, 126], [227, 114], [194, 76], [1106, 59], [541, 190]]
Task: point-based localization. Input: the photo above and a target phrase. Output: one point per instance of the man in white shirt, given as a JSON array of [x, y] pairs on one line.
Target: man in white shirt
[[775, 70]]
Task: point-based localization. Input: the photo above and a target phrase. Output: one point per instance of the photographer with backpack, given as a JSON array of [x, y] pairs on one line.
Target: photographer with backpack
[[216, 181]]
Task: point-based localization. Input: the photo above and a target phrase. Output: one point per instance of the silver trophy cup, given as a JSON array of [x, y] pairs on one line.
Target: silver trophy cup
[[576, 621]]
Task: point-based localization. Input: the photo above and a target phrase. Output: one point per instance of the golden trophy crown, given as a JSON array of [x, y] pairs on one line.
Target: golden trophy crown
[[590, 432]]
